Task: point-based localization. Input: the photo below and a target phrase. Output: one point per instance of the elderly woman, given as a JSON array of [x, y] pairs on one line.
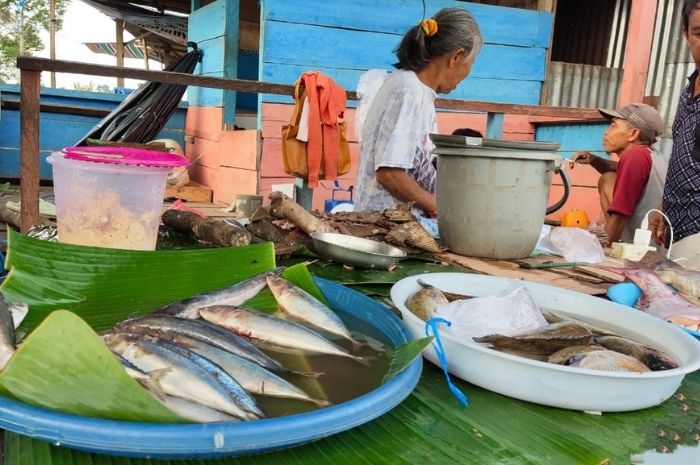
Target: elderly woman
[[395, 167]]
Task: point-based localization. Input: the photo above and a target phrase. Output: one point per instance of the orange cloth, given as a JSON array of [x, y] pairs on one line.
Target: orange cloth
[[327, 103]]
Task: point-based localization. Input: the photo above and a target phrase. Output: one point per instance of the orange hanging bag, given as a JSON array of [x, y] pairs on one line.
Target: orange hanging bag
[[295, 153]]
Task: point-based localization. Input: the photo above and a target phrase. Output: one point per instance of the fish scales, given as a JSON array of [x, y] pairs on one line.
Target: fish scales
[[236, 294], [166, 326], [273, 330], [302, 306]]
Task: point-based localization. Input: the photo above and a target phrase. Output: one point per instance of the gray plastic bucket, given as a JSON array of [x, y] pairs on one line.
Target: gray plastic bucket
[[492, 200]]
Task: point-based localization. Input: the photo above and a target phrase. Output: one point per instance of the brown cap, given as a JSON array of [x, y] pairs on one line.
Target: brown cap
[[641, 116]]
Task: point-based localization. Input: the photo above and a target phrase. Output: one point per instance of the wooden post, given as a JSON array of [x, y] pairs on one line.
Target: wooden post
[[144, 45], [494, 125], [52, 37], [120, 49], [305, 196], [30, 84], [549, 6], [640, 34]]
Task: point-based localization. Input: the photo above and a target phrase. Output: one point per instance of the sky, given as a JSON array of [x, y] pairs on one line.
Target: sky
[[83, 23]]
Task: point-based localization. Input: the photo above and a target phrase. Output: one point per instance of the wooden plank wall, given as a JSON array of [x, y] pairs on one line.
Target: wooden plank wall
[[343, 40], [80, 112], [584, 179]]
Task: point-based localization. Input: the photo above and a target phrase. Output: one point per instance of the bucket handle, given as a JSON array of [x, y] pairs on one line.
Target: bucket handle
[[567, 188]]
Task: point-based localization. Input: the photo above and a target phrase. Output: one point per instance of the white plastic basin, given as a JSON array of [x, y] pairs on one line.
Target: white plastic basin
[[549, 384]]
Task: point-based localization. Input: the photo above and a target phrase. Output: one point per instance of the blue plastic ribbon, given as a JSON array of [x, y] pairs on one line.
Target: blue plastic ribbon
[[432, 325]]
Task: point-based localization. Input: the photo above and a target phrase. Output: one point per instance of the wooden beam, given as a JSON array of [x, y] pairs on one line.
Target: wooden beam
[[52, 37], [241, 85], [12, 104], [120, 48], [30, 85]]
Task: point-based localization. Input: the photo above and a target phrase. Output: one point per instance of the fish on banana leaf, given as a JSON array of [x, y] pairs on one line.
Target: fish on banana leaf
[[545, 340], [302, 306], [662, 301], [253, 378], [236, 294], [7, 333], [273, 330], [186, 375], [166, 326]]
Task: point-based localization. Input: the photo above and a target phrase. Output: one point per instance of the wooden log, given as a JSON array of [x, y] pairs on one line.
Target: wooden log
[[30, 82], [206, 229], [282, 206]]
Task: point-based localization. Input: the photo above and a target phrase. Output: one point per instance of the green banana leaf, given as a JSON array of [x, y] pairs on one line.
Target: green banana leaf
[[404, 355], [104, 286], [63, 343], [431, 427]]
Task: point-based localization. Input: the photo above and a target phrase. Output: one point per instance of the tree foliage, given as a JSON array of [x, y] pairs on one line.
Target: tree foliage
[[23, 19]]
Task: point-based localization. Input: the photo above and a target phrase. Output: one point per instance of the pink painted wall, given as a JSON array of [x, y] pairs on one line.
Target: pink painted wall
[[225, 161]]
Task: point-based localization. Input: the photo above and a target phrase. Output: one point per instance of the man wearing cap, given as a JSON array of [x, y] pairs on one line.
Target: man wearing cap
[[632, 186]]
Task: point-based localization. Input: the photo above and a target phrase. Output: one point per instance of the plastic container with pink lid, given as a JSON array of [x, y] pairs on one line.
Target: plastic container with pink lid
[[110, 196]]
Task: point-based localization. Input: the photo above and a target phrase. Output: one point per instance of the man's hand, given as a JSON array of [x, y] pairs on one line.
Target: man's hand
[[657, 224], [582, 158]]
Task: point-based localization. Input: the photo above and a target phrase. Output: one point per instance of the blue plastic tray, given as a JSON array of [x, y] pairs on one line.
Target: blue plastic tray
[[691, 332], [134, 439]]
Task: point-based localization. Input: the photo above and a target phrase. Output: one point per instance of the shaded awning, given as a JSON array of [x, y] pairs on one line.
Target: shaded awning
[[132, 49]]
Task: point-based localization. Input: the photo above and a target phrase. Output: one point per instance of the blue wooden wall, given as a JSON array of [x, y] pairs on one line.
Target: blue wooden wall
[[344, 39], [58, 130], [574, 137], [214, 27]]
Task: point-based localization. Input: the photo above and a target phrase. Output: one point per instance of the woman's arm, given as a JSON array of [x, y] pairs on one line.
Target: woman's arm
[[403, 187]]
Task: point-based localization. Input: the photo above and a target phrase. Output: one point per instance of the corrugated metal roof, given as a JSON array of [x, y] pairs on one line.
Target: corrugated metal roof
[[670, 62]]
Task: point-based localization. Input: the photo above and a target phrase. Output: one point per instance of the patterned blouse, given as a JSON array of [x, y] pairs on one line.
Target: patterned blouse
[[395, 135]]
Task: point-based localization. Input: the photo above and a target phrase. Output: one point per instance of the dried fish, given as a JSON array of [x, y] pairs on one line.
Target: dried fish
[[607, 360]]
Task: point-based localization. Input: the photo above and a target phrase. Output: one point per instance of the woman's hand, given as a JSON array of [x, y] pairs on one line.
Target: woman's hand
[[658, 228], [405, 188]]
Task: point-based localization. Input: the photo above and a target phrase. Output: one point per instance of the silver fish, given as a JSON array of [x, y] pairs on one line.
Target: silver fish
[[165, 326], [7, 334], [253, 378], [194, 411], [273, 330], [236, 294], [186, 375], [301, 305]]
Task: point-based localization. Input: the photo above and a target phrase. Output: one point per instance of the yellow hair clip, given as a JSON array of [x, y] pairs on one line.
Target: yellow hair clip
[[429, 26]]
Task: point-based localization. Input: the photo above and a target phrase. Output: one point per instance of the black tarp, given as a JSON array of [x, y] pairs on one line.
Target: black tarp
[[143, 114]]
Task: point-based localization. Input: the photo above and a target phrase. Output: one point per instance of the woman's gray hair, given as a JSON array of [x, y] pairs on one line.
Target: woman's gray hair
[[457, 28]]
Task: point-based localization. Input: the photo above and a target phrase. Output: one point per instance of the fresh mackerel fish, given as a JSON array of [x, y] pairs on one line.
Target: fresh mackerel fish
[[7, 334], [167, 327], [272, 330], [302, 306], [236, 294], [186, 375], [254, 379]]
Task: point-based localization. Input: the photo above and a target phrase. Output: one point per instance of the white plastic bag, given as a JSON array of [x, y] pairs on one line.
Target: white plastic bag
[[509, 312], [576, 245]]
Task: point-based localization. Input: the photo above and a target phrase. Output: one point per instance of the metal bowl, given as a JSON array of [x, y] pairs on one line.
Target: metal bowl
[[356, 251]]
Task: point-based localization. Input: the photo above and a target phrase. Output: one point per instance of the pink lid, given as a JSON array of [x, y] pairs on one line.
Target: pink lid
[[125, 156]]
